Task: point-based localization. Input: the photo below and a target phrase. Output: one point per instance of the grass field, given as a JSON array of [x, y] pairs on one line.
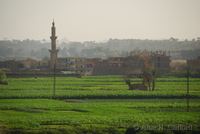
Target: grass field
[[97, 101]]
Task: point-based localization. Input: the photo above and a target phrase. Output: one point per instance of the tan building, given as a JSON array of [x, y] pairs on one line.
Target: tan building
[[75, 64]]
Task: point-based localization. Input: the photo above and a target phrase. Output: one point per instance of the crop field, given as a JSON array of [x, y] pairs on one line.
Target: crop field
[[97, 101]]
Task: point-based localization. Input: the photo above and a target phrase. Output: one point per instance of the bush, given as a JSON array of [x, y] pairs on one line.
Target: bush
[[2, 75], [3, 78], [4, 82]]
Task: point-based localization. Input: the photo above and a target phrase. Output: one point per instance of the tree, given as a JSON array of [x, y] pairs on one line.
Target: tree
[[154, 75], [46, 58], [3, 80], [147, 78], [149, 73], [2, 75], [99, 55], [123, 53], [73, 52], [146, 71]]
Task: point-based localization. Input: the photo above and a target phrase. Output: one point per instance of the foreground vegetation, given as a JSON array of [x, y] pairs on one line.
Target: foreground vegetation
[[97, 87], [94, 104], [39, 114]]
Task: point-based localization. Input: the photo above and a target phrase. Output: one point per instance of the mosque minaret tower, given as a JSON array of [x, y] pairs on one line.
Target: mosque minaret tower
[[53, 51]]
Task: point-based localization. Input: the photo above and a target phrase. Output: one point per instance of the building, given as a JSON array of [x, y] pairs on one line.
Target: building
[[27, 63], [195, 63], [132, 63], [75, 64]]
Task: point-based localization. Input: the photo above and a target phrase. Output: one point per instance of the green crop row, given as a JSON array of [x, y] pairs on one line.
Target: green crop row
[[38, 92], [39, 112]]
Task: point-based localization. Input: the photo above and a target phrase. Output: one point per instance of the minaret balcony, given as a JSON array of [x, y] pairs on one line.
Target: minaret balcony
[[53, 51], [53, 37]]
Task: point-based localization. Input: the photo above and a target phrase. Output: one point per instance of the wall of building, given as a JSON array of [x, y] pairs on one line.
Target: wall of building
[[194, 63], [76, 64]]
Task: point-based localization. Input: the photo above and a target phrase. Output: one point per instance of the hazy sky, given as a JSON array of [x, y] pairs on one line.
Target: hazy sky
[[88, 20]]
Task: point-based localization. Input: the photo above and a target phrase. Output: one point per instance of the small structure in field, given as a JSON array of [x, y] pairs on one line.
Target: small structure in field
[[136, 86]]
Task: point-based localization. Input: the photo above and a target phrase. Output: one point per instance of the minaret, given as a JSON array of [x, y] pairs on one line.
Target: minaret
[[53, 51]]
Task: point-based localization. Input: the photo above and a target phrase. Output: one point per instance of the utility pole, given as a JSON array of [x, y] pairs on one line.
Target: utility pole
[[187, 90], [54, 96]]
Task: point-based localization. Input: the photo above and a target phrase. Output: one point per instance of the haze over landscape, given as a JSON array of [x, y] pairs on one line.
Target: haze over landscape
[[99, 66], [100, 20]]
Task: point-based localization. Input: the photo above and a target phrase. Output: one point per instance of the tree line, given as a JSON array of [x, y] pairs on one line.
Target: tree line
[[17, 49]]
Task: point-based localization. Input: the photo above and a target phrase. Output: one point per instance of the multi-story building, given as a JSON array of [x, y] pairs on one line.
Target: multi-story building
[[132, 63], [75, 64]]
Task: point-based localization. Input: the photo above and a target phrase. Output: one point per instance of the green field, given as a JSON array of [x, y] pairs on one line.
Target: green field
[[97, 101]]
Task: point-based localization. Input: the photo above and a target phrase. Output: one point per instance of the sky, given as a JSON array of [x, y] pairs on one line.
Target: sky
[[99, 20]]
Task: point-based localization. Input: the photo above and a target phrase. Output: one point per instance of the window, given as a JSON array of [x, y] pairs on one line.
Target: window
[[66, 66], [110, 64], [76, 60], [76, 66], [69, 66], [80, 60], [81, 66]]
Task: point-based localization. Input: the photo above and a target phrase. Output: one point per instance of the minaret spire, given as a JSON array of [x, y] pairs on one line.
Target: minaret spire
[[53, 24], [53, 51]]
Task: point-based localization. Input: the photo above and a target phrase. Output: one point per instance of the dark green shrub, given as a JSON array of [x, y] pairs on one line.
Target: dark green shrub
[[4, 82], [2, 75]]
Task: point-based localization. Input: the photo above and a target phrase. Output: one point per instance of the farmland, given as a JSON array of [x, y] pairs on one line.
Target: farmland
[[96, 101]]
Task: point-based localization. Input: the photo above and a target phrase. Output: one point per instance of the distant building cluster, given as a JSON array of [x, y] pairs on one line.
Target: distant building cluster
[[27, 63], [160, 60]]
